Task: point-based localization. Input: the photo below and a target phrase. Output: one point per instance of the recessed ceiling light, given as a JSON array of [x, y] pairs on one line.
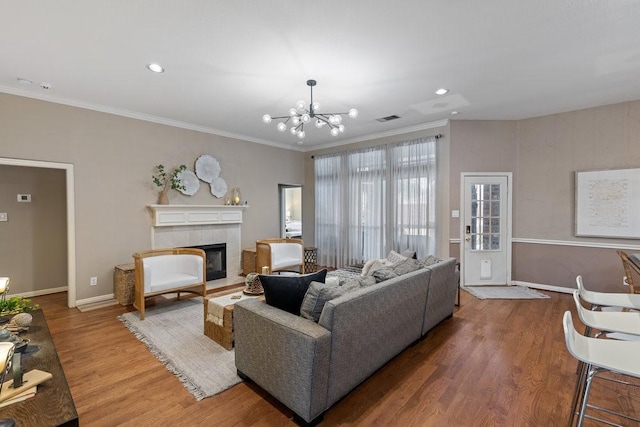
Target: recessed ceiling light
[[156, 68], [24, 81], [453, 113], [442, 91]]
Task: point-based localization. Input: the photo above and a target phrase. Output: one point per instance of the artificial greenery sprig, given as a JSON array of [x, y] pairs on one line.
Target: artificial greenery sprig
[[15, 305], [165, 182]]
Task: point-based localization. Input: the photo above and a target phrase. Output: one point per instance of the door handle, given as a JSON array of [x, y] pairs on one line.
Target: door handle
[[468, 238]]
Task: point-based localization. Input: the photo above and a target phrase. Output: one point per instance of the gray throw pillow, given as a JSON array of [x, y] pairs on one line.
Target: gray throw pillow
[[406, 266], [409, 253], [384, 273], [319, 293], [429, 260], [287, 292]]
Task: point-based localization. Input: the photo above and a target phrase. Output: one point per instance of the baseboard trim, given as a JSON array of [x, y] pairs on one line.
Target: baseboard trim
[[94, 300], [543, 287], [38, 293]]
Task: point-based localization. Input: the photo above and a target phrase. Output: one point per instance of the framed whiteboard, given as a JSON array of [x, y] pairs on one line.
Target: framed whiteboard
[[608, 203]]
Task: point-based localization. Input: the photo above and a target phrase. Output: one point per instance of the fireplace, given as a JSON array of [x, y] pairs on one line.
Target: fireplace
[[216, 260]]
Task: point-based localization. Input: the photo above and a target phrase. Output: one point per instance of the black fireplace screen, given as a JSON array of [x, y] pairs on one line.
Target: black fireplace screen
[[216, 260]]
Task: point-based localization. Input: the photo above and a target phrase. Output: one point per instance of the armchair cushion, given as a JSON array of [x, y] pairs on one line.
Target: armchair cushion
[[287, 292]]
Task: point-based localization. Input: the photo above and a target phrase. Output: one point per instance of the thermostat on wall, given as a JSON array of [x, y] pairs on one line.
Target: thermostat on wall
[[24, 198]]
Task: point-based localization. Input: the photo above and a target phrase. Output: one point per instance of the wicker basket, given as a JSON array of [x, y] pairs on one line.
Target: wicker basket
[[124, 280]]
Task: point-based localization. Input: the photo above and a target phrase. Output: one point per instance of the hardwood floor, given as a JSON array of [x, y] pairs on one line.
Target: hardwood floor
[[495, 363]]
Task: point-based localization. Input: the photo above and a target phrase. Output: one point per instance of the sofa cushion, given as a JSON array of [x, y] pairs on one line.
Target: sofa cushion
[[319, 293], [287, 292]]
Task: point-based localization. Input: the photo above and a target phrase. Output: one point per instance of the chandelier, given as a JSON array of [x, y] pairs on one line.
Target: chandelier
[[303, 114]]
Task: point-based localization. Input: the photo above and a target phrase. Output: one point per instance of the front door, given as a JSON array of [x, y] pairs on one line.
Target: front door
[[486, 229]]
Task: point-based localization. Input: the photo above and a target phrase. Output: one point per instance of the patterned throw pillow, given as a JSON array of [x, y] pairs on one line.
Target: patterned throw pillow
[[287, 292], [319, 293], [384, 273], [406, 266], [395, 258], [409, 253], [429, 260]]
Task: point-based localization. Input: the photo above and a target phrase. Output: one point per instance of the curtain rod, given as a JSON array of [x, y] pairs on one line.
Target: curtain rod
[[437, 136]]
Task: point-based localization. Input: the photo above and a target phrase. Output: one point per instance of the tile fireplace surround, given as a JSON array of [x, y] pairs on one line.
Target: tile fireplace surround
[[193, 225]]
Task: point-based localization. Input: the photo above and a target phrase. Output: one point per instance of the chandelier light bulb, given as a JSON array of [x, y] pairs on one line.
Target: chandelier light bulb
[[319, 123], [338, 119], [341, 128], [293, 131], [300, 105], [295, 120], [353, 113], [293, 112], [335, 131], [282, 127], [266, 118], [301, 134], [316, 106], [305, 118]]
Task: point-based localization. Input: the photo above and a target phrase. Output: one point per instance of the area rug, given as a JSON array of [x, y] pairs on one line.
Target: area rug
[[504, 292], [174, 334]]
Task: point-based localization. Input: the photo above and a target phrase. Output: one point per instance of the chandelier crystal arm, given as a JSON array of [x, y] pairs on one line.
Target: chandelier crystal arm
[[300, 114]]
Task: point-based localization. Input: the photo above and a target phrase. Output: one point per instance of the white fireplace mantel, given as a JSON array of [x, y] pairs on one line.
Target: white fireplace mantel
[[176, 215]]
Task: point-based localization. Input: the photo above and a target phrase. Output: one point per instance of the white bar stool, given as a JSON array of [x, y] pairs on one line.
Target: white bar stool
[[600, 355]]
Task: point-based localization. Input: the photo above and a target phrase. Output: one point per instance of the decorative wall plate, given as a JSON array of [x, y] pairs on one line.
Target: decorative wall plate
[[207, 168], [219, 187], [189, 181]]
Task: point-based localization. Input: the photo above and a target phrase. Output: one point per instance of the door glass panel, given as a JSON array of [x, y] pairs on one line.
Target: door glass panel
[[485, 217]]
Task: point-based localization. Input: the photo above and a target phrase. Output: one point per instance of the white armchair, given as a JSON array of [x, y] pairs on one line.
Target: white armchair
[[280, 255], [163, 271]]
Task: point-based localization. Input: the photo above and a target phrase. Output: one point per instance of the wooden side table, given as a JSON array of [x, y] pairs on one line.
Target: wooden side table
[[124, 280], [249, 261], [310, 259]]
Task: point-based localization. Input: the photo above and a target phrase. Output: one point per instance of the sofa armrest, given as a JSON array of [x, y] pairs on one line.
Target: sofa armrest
[[286, 355], [441, 298]]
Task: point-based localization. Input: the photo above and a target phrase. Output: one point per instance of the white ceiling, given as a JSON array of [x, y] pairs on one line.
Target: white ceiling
[[229, 62]]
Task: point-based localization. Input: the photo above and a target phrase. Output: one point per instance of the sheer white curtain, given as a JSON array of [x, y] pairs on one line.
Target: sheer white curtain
[[373, 200]]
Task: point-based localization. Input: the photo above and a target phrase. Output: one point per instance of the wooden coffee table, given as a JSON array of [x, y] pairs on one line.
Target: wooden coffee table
[[222, 333]]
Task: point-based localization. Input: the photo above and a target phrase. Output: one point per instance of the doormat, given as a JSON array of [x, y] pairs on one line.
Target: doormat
[[504, 292]]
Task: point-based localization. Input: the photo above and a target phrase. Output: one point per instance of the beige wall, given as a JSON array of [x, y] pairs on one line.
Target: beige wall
[[114, 158], [33, 252], [543, 153]]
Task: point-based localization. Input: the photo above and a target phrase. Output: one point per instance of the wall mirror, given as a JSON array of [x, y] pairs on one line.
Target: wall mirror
[[290, 210]]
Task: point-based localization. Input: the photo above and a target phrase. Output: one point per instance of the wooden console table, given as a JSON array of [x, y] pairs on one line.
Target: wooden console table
[[53, 404]]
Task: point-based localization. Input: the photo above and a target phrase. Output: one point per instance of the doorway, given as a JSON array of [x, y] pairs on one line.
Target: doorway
[[486, 200], [290, 211], [71, 230]]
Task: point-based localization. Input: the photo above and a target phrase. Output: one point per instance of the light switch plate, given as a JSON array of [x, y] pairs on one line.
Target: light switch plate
[[3, 216]]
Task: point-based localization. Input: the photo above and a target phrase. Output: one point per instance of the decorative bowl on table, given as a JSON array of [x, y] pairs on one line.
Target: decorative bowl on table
[[253, 285]]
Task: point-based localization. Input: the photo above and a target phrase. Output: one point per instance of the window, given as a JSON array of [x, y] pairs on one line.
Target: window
[[373, 200]]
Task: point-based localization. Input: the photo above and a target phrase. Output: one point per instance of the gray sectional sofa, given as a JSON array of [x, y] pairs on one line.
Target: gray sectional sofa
[[309, 366]]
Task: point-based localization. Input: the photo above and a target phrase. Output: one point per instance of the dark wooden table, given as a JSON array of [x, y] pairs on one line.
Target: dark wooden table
[[53, 404]]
